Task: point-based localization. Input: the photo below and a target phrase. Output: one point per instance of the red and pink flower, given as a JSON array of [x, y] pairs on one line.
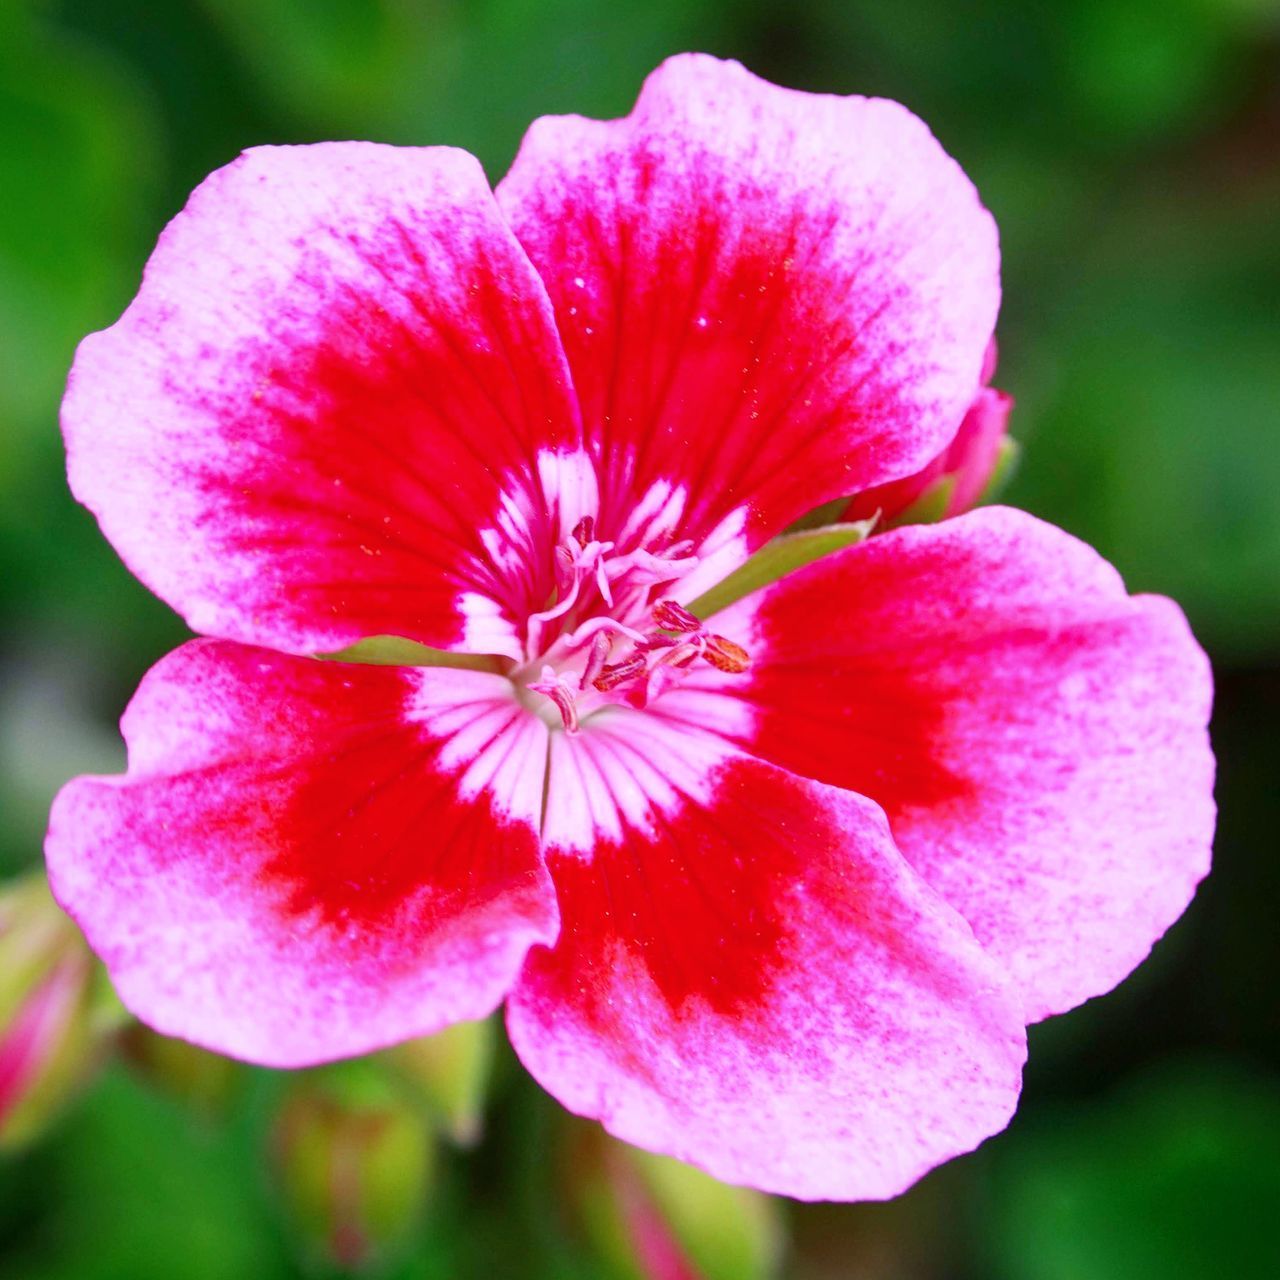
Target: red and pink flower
[[774, 891]]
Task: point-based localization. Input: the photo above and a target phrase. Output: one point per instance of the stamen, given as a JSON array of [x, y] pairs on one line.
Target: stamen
[[600, 647], [572, 567], [658, 679], [565, 561], [658, 641], [557, 688], [602, 577], [725, 655], [671, 615], [616, 673], [682, 653], [647, 567], [561, 606], [655, 658], [594, 625]]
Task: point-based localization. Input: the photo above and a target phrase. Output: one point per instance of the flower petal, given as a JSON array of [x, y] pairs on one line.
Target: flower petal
[[750, 978], [967, 463], [308, 860], [768, 298], [338, 368], [1036, 736]]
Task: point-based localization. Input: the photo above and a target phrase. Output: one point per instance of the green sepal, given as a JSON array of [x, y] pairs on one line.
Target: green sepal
[[395, 651], [929, 507], [775, 559], [1007, 460], [819, 517]]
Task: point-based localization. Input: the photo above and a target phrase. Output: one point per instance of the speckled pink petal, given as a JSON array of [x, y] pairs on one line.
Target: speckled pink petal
[[308, 860], [339, 368], [1036, 735], [750, 978], [768, 298]]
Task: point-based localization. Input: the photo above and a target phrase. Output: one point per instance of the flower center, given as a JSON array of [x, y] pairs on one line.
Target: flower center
[[606, 638]]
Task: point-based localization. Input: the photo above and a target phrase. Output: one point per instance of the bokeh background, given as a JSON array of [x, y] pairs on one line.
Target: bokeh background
[[1130, 151]]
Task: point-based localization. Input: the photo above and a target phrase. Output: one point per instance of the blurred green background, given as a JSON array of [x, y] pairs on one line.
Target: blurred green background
[[1130, 151]]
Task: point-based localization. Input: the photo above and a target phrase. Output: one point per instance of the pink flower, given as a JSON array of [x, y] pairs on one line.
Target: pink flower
[[783, 903], [954, 481]]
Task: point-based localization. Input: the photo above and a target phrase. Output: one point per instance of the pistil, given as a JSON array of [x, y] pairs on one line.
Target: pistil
[[559, 690]]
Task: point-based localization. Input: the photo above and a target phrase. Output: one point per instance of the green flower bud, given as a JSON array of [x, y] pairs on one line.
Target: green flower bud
[[449, 1072], [649, 1217], [355, 1163], [202, 1080]]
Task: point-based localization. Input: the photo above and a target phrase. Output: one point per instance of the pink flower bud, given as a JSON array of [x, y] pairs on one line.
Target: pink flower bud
[[956, 480], [53, 1022]]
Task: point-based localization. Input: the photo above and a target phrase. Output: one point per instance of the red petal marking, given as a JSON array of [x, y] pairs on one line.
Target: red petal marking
[[339, 365], [767, 297], [309, 860], [1036, 736], [749, 977]]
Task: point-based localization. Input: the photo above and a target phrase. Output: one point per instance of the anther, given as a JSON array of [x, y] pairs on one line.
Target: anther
[[683, 654], [725, 655], [616, 673], [671, 615]]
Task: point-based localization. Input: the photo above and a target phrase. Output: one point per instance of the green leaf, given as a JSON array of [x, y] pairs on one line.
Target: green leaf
[[775, 559]]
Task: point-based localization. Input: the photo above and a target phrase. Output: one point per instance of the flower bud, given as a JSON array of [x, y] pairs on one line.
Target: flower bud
[[202, 1080], [969, 469], [449, 1072], [57, 1010], [649, 1217], [354, 1163]]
